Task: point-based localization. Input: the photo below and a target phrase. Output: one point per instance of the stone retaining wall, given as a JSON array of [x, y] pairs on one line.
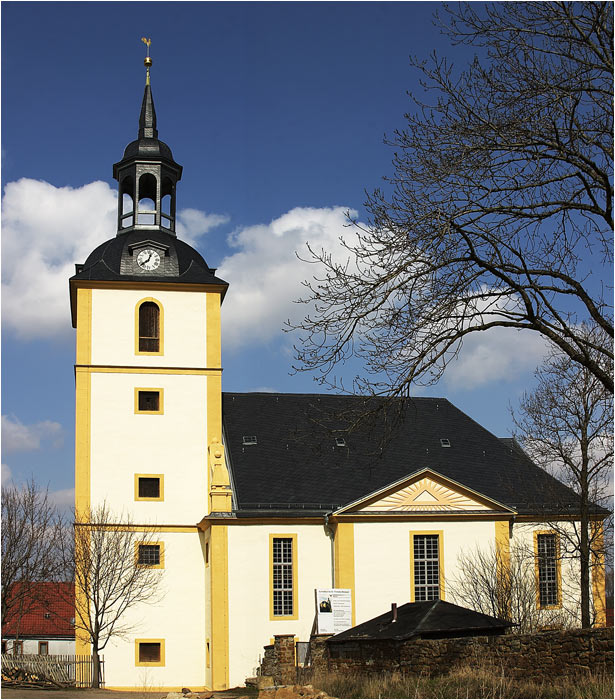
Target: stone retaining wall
[[562, 652]]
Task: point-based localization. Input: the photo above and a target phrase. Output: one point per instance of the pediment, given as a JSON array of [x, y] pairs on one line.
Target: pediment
[[424, 492]]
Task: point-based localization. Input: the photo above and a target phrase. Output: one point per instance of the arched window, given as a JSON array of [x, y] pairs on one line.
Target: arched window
[[149, 327]]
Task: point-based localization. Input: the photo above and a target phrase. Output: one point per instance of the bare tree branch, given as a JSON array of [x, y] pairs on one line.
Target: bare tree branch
[[498, 214]]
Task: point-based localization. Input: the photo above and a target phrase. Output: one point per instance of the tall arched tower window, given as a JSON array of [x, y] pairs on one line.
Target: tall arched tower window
[[149, 327]]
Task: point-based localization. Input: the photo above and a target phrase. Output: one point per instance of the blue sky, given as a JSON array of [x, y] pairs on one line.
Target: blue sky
[[277, 111]]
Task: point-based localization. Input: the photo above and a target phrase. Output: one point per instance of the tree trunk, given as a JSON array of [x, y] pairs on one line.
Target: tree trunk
[[95, 668]]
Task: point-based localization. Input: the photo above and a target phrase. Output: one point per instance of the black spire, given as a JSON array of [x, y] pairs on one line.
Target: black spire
[[147, 119]]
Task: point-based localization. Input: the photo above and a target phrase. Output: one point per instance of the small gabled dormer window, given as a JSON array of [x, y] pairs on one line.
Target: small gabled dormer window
[[249, 440], [340, 442]]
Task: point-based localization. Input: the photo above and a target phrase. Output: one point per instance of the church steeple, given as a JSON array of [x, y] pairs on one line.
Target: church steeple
[[147, 174]]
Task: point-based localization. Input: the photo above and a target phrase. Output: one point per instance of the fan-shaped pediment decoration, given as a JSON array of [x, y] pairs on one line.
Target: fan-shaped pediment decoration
[[424, 495]]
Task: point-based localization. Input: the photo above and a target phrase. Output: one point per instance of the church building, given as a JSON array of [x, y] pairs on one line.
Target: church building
[[261, 499]]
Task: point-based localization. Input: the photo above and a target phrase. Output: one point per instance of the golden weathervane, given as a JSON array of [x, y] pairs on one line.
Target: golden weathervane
[[148, 61]]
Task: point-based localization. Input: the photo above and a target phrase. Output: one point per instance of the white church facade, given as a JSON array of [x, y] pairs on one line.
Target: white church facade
[[259, 499]]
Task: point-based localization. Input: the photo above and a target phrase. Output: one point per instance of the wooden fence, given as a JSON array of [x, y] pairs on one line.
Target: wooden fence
[[62, 669]]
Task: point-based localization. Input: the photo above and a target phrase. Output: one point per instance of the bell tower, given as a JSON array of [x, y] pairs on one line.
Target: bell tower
[[148, 426], [147, 174]]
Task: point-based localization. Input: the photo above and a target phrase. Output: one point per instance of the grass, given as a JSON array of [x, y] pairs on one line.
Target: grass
[[463, 682]]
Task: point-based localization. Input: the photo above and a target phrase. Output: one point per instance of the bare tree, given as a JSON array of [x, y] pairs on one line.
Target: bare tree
[[504, 587], [31, 528], [112, 575], [499, 211], [566, 427]]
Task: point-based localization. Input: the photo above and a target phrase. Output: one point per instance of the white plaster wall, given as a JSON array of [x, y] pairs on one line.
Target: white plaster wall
[[382, 559], [56, 646], [523, 536], [174, 444], [113, 328], [179, 619], [250, 628]]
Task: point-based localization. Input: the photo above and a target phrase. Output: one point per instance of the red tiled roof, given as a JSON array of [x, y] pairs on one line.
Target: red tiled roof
[[50, 611]]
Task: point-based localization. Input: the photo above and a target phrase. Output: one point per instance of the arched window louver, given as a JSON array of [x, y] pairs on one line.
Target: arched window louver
[[149, 327]]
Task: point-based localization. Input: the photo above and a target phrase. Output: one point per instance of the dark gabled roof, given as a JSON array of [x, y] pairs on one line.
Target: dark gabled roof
[[433, 618], [297, 467]]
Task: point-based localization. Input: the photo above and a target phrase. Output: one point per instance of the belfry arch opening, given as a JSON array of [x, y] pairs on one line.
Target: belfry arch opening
[[148, 194], [127, 202]]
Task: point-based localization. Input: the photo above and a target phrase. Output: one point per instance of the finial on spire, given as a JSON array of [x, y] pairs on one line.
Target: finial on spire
[[148, 61]]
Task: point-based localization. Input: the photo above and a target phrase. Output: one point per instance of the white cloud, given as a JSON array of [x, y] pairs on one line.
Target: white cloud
[[192, 223], [18, 437], [63, 498], [265, 273], [45, 231], [496, 354]]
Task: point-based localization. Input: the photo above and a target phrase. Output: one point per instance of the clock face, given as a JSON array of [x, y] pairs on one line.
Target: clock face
[[148, 259]]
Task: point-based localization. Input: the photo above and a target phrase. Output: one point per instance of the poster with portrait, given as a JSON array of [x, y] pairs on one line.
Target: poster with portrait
[[333, 610]]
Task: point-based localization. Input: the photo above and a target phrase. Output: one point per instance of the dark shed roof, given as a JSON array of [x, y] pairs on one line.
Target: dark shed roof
[[296, 465], [433, 618]]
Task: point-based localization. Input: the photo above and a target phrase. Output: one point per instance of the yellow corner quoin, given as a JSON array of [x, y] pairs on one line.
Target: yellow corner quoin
[[160, 350], [160, 391], [558, 570], [219, 607], [150, 566], [502, 541], [213, 329], [84, 327], [161, 662], [344, 560], [83, 354], [295, 570], [160, 496], [440, 534], [598, 574]]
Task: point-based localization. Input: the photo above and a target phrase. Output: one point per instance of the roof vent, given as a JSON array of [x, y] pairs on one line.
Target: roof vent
[[340, 442], [445, 442], [47, 616], [249, 440]]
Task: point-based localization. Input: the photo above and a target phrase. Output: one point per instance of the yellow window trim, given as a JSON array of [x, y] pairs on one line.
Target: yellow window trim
[[151, 566], [160, 477], [160, 325], [160, 410], [440, 534], [558, 570], [150, 663], [295, 615]]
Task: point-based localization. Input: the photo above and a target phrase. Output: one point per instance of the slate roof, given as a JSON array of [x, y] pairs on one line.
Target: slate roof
[[50, 611], [433, 618], [296, 467]]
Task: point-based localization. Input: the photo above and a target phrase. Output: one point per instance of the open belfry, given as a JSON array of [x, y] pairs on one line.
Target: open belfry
[[259, 500]]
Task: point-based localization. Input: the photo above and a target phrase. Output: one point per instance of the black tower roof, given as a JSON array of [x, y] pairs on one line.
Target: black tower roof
[[147, 172]]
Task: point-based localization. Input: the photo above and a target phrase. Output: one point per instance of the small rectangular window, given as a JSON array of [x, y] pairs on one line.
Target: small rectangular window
[[149, 400], [149, 652], [249, 440], [43, 648], [149, 487], [150, 554], [17, 648], [340, 442]]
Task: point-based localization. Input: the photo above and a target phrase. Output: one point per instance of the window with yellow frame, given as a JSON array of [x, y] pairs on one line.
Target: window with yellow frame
[[548, 569], [149, 327], [149, 652], [149, 555], [426, 566], [283, 577]]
